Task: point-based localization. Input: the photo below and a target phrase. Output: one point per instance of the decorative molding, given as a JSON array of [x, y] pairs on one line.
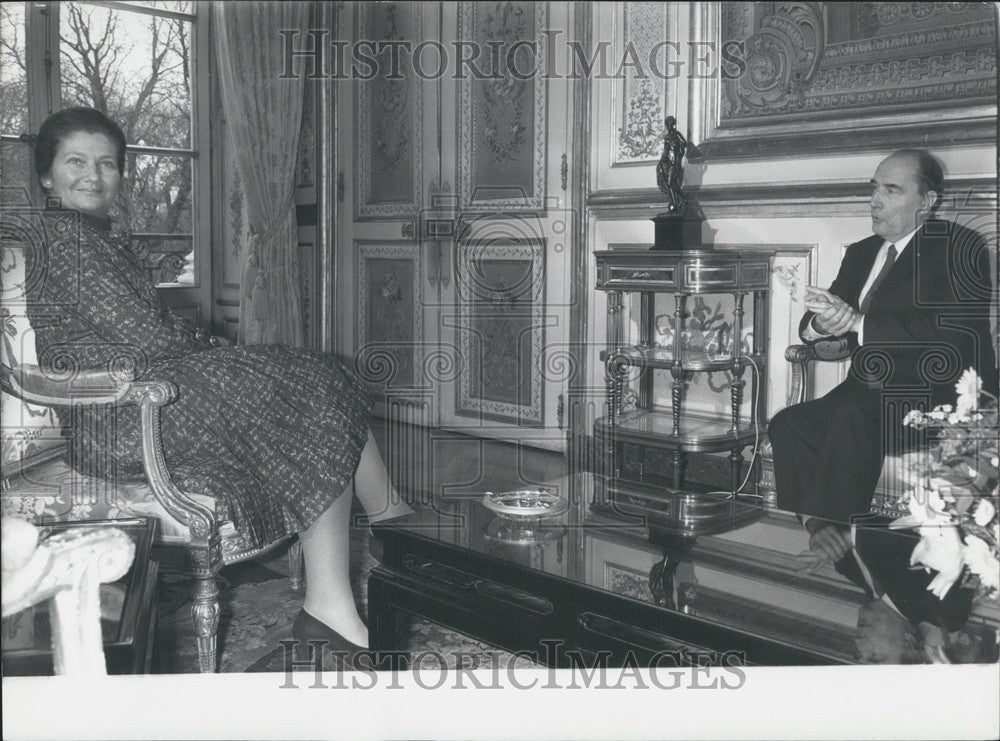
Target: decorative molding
[[639, 104], [846, 199], [519, 304], [502, 120], [307, 138], [388, 144], [382, 361], [806, 64]]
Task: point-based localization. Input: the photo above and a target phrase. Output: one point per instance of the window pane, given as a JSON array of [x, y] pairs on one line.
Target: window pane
[[13, 77], [155, 194], [14, 164], [133, 66]]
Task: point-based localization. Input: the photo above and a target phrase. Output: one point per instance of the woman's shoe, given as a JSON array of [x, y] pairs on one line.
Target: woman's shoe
[[309, 631]]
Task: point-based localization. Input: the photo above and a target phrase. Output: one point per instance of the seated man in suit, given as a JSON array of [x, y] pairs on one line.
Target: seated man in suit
[[913, 300]]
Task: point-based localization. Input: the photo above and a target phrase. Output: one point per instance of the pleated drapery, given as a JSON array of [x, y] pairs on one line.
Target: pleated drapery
[[263, 114]]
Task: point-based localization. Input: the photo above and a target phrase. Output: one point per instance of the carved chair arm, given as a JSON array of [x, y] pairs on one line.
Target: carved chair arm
[[800, 356], [34, 385], [88, 388]]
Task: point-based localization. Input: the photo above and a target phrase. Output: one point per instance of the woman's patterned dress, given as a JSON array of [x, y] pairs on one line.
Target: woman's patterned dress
[[274, 433]]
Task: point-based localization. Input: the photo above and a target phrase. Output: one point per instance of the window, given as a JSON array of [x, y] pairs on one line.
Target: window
[[137, 62]]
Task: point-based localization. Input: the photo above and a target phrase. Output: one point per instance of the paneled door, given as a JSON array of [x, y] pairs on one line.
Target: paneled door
[[459, 222]]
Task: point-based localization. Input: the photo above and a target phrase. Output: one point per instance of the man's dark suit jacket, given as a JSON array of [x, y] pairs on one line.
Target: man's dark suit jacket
[[929, 319], [927, 322]]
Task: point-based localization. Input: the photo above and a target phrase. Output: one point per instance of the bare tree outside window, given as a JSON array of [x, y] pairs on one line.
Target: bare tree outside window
[[136, 67], [13, 97]]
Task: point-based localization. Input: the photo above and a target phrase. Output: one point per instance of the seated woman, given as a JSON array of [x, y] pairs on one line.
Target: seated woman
[[285, 426]]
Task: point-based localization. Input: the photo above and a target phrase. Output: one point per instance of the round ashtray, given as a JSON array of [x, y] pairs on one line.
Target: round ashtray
[[525, 503], [515, 531]]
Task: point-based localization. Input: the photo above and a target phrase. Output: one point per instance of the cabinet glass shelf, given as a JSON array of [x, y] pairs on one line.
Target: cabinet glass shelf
[[691, 360], [697, 435]]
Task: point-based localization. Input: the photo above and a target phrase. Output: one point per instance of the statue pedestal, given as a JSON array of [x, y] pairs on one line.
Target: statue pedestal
[[674, 232]]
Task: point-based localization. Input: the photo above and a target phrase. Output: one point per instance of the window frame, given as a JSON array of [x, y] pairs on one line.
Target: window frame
[[43, 59]]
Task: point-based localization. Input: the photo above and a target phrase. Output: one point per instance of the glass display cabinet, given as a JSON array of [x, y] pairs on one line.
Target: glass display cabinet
[[659, 352]]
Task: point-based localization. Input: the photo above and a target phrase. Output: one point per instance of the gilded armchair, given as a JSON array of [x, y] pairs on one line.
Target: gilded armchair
[[193, 538]]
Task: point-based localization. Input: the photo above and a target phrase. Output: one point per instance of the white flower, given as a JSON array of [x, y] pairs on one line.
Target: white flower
[[981, 562], [939, 549], [913, 417], [984, 512], [937, 416], [945, 407], [995, 461], [968, 388], [928, 508], [939, 493], [954, 419]]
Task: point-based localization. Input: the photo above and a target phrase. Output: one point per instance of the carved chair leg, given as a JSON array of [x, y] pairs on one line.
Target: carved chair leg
[[295, 565], [205, 612]]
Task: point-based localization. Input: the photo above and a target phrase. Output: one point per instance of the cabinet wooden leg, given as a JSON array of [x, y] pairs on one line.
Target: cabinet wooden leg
[[678, 461]]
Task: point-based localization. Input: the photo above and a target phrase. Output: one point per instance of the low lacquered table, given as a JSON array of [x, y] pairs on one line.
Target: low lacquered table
[[562, 589]]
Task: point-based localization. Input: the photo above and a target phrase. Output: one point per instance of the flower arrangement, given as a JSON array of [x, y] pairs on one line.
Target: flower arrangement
[[952, 495]]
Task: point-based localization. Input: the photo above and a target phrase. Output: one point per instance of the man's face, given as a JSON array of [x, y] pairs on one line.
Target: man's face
[[897, 206]]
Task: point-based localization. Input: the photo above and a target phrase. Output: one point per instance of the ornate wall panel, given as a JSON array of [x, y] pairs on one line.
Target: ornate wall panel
[[501, 122], [305, 177], [817, 73], [389, 314], [388, 146], [640, 97], [501, 332]]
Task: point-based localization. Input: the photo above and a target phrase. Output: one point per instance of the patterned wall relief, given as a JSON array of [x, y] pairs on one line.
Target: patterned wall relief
[[388, 144], [389, 337], [501, 121], [640, 97], [815, 60], [25, 429], [307, 138], [629, 582], [501, 333]]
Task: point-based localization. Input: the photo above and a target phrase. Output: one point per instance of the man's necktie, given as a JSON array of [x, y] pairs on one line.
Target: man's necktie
[[890, 258]]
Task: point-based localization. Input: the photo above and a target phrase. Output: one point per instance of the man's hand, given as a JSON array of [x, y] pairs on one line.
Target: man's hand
[[827, 540], [834, 316]]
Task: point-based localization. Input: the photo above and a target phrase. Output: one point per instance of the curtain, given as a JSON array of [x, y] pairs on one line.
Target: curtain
[[263, 114]]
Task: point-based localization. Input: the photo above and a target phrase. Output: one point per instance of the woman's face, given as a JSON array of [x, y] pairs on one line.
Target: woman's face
[[84, 173]]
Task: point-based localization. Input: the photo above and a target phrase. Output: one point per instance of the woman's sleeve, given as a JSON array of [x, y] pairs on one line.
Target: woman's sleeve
[[100, 292]]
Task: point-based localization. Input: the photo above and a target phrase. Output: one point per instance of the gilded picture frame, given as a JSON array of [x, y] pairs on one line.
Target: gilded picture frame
[[911, 73]]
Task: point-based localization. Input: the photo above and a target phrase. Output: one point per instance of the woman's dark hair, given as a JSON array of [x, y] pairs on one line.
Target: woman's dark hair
[[69, 121]]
